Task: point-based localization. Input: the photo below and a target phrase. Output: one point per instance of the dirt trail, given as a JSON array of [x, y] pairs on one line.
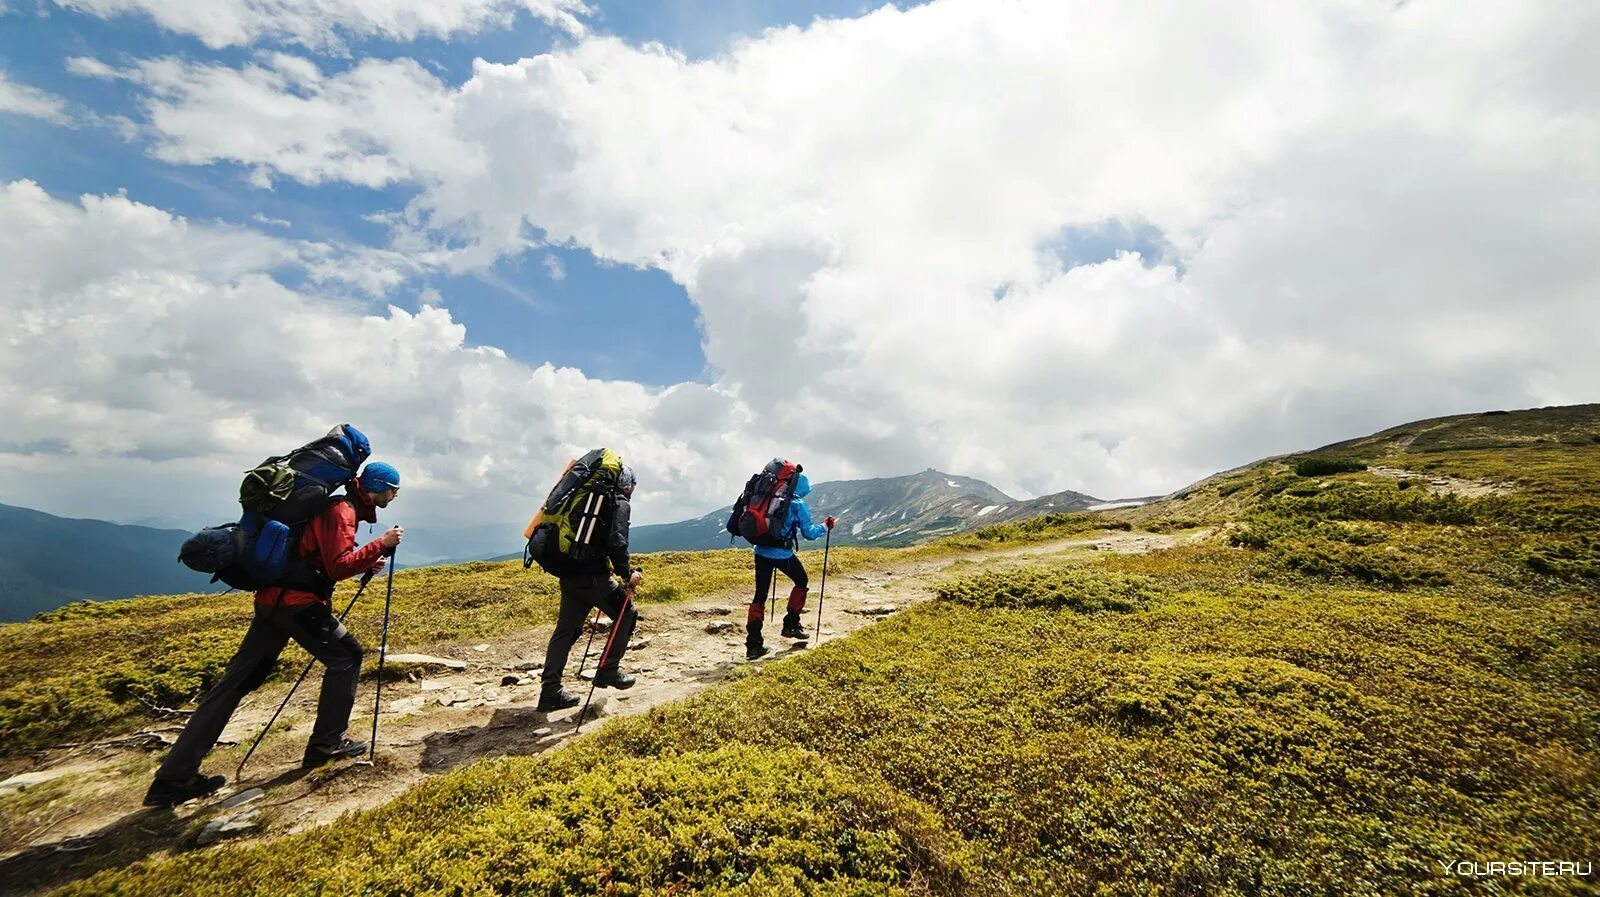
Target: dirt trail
[[1441, 484], [437, 721]]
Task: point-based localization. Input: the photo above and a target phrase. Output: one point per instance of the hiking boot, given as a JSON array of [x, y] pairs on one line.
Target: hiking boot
[[169, 794], [792, 628], [753, 647], [611, 677], [557, 698], [346, 748]]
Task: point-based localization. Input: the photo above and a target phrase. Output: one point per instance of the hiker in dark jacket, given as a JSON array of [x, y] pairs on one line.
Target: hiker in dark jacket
[[768, 559], [591, 587], [328, 545]]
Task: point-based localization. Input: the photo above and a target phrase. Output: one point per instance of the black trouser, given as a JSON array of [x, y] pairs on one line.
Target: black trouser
[[319, 632], [579, 595], [790, 567]]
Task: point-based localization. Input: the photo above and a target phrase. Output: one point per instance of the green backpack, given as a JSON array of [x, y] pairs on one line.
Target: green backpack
[[567, 534]]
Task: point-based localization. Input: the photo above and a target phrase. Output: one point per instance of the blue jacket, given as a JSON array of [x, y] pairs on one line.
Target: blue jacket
[[799, 523]]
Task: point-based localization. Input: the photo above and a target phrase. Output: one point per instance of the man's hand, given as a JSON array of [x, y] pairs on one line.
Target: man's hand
[[635, 579], [828, 521], [391, 538], [378, 567]]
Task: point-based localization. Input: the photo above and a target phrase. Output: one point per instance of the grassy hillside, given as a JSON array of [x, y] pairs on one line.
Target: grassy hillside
[[1361, 678], [96, 669]]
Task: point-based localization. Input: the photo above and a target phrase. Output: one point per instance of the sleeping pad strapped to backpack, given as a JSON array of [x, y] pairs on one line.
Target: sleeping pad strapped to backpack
[[568, 533], [763, 508], [279, 497]]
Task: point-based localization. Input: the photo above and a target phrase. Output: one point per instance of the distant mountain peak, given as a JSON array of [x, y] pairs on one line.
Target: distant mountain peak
[[880, 511]]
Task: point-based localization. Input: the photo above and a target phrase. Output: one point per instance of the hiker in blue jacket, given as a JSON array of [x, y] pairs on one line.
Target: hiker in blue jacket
[[769, 559]]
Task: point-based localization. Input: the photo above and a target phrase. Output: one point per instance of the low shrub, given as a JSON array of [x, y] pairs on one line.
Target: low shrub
[[777, 821], [1318, 467]]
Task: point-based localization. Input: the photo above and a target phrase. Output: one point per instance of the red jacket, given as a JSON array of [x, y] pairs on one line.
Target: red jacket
[[329, 540]]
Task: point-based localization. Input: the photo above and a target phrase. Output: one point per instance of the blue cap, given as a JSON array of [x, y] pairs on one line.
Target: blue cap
[[380, 476]]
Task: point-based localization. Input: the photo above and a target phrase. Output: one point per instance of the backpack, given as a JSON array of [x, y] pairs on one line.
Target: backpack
[[762, 510], [566, 535], [279, 497]]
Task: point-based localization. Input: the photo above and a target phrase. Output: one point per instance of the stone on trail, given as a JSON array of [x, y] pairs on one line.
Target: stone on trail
[[715, 610], [480, 648], [407, 705], [404, 662], [637, 644], [717, 627], [872, 610], [242, 798], [228, 826], [27, 780], [510, 680]]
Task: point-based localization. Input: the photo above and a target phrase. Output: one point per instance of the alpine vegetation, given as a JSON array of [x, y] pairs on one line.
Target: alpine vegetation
[[1301, 695]]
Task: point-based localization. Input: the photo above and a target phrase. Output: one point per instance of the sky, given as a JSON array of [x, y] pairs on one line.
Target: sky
[[1053, 245]]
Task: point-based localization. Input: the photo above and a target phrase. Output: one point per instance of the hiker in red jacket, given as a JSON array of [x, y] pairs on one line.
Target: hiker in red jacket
[[300, 609]]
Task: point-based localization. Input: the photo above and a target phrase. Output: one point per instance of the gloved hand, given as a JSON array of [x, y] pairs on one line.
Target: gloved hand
[[634, 579], [828, 521]]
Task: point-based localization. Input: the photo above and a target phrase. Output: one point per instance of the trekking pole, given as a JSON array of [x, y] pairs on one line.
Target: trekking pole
[[772, 599], [622, 614], [239, 770], [827, 542], [383, 652], [593, 625]]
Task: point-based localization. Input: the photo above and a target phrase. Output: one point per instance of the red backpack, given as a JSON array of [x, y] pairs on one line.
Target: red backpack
[[763, 508]]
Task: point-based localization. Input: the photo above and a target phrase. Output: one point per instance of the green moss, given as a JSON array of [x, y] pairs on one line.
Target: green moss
[[730, 820]]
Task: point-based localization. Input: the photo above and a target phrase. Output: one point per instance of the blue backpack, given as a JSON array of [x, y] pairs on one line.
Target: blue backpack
[[279, 497]]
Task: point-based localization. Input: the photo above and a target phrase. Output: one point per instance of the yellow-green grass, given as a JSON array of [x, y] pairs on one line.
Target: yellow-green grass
[[95, 669], [1196, 721], [1358, 684]]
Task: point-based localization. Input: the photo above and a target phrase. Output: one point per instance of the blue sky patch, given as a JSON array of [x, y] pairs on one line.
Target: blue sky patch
[[1091, 244]]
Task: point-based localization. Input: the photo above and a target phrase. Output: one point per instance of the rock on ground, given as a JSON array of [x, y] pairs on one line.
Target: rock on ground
[[406, 662]]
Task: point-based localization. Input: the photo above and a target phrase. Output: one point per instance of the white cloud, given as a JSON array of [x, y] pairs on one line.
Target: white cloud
[[21, 99], [375, 124], [319, 24], [554, 267], [1378, 214], [271, 222], [149, 359], [90, 67]]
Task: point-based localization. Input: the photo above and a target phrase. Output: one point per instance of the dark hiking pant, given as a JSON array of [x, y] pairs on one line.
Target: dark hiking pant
[[579, 595], [319, 632], [790, 567]]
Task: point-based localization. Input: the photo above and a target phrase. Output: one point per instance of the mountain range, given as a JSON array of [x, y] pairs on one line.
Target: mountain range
[[47, 561], [883, 511]]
